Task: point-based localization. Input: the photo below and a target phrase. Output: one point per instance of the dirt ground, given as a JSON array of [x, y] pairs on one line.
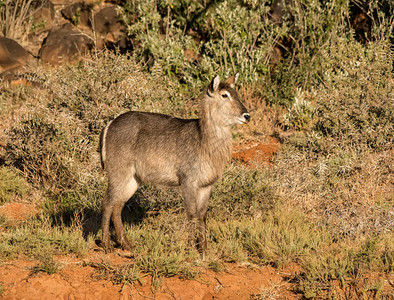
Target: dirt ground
[[77, 279], [256, 153]]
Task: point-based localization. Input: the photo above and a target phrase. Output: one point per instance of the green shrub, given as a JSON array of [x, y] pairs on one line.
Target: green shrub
[[301, 113], [228, 36], [355, 102], [193, 40]]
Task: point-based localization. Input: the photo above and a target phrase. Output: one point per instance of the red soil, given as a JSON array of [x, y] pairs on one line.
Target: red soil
[[256, 153], [18, 211], [77, 280], [252, 152]]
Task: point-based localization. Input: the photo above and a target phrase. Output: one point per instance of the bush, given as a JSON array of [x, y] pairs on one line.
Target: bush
[[347, 267], [355, 101], [192, 40], [16, 18]]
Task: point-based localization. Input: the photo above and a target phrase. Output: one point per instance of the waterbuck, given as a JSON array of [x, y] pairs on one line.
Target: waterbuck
[[142, 147]]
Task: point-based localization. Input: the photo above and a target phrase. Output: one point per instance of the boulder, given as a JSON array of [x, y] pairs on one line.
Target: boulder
[[107, 21], [277, 10], [110, 30], [79, 14], [43, 15], [361, 24], [64, 43], [65, 2], [13, 57]]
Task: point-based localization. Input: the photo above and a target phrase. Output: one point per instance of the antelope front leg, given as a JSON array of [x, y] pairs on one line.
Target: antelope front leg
[[202, 208], [196, 205], [202, 235]]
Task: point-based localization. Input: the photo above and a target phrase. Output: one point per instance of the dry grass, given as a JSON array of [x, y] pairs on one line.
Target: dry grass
[[352, 193], [16, 19]]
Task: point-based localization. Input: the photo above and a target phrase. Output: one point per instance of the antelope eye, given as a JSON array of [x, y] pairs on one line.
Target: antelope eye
[[224, 95]]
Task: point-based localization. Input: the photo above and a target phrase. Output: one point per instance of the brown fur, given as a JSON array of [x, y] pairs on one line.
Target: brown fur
[[142, 147]]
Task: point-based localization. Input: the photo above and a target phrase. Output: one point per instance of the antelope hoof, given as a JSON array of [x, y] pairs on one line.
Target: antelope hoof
[[126, 245], [202, 247], [106, 247]]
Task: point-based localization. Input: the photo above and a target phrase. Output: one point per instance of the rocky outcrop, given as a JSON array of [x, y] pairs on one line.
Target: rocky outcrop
[[61, 31], [80, 14], [65, 43], [110, 30], [13, 57], [43, 15]]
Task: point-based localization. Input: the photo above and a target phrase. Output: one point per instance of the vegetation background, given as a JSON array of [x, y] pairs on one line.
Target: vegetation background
[[308, 77]]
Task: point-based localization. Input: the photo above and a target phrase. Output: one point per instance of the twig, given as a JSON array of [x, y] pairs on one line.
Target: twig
[[139, 293], [222, 33]]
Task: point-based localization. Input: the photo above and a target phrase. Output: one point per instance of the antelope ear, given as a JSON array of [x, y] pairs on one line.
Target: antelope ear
[[232, 81], [214, 85]]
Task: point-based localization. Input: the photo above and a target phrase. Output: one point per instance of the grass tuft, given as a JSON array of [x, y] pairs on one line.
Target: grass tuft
[[12, 185], [277, 239], [38, 237], [46, 264]]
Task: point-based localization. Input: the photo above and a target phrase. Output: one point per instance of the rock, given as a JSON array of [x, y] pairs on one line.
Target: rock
[[41, 21], [275, 55], [12, 57], [361, 24], [64, 43], [107, 20], [43, 16], [65, 2], [277, 10], [111, 30], [80, 14]]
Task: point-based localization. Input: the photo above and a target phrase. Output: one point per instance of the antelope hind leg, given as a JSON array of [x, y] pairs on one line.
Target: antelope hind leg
[[202, 208], [129, 190], [107, 209]]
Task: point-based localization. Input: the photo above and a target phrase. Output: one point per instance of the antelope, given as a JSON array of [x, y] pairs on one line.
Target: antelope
[[142, 147]]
